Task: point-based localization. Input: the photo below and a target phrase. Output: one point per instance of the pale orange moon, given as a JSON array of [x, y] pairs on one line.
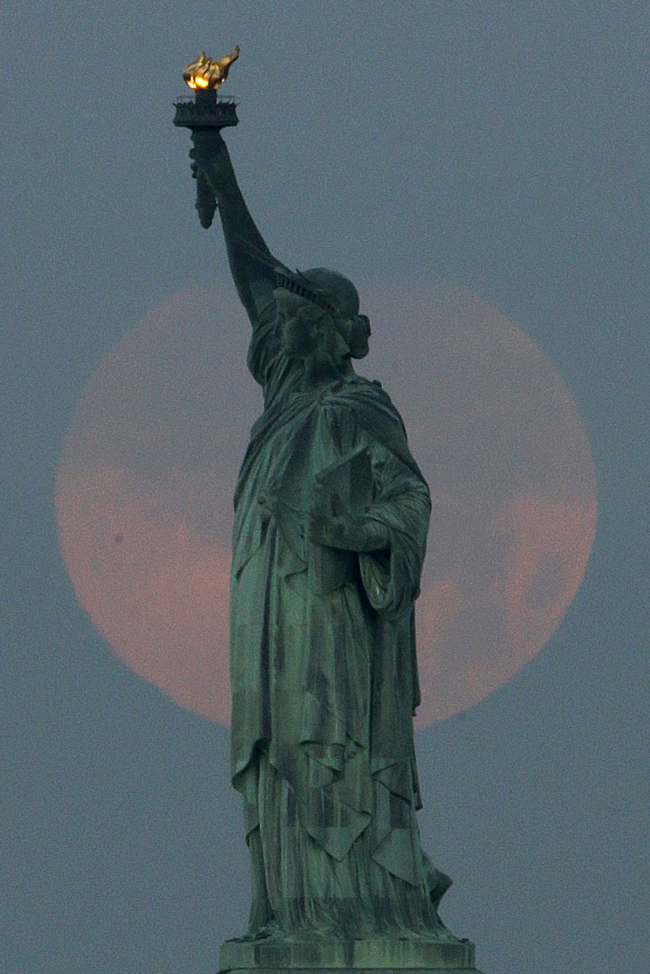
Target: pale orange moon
[[147, 473]]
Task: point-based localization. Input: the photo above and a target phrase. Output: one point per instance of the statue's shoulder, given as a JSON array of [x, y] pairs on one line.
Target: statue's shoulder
[[368, 390], [360, 380], [376, 415], [359, 383], [370, 400]]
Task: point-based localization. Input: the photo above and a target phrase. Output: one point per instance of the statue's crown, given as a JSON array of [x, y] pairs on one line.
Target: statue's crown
[[299, 285]]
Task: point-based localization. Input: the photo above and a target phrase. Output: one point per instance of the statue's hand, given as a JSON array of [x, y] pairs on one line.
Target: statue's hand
[[347, 532], [207, 144], [205, 155], [206, 152]]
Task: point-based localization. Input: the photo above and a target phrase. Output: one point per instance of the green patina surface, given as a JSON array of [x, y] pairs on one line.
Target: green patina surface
[[387, 953], [331, 523]]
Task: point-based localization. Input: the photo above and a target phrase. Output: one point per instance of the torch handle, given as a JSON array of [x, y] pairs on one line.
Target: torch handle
[[206, 204], [206, 113]]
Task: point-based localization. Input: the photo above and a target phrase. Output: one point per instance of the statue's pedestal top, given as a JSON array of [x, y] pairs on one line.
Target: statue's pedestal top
[[383, 955]]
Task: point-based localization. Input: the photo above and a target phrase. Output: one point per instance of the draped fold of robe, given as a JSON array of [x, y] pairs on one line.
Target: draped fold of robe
[[324, 678]]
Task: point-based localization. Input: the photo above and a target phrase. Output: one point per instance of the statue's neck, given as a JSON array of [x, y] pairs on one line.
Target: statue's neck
[[321, 370]]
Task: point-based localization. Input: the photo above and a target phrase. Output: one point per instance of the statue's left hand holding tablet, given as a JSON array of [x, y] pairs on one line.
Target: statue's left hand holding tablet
[[347, 532]]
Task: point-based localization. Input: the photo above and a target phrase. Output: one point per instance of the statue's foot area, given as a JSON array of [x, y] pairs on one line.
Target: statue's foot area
[[258, 932], [376, 954]]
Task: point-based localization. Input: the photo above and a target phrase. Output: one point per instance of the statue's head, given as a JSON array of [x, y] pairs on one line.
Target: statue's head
[[320, 312]]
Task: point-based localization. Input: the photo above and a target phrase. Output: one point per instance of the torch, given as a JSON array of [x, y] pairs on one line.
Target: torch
[[206, 111]]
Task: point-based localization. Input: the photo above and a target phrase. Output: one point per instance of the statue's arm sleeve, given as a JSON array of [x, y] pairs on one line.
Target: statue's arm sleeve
[[251, 262], [403, 506]]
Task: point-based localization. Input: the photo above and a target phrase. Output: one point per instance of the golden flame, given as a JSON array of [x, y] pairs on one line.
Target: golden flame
[[206, 73]]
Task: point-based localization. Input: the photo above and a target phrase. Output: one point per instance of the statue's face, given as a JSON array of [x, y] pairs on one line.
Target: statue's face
[[298, 338], [309, 334], [300, 324]]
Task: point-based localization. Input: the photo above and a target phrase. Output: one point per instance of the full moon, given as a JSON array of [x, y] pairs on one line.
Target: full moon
[[148, 469]]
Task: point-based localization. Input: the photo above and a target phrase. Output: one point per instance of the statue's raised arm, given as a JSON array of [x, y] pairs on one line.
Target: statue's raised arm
[[252, 264]]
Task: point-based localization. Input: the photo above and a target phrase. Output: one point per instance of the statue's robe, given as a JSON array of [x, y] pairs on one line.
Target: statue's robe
[[324, 677]]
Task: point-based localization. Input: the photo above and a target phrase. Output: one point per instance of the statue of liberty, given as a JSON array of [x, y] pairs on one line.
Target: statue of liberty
[[331, 519]]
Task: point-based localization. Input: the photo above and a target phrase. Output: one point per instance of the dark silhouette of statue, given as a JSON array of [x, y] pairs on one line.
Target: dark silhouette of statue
[[330, 533]]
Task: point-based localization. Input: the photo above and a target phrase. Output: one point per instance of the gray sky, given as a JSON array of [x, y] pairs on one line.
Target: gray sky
[[501, 145]]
